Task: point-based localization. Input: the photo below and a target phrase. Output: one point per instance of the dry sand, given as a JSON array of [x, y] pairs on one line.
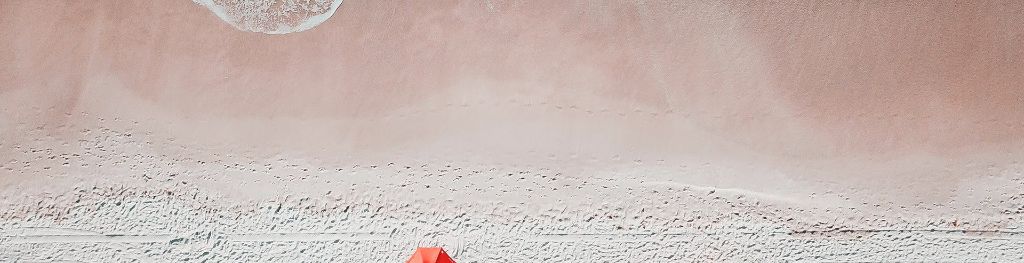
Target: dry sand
[[505, 131]]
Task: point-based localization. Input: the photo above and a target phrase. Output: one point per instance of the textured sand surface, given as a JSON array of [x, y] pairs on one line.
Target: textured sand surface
[[551, 131]]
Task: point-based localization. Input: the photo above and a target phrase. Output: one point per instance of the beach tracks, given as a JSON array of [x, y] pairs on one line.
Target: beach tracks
[[729, 241]]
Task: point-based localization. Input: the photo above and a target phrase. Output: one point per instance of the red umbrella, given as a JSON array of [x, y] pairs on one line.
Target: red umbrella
[[430, 255]]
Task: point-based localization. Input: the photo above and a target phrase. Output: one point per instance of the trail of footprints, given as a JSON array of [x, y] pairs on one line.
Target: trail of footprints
[[182, 226], [380, 212]]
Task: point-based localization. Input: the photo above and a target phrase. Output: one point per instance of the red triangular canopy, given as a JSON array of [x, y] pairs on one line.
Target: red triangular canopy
[[430, 255]]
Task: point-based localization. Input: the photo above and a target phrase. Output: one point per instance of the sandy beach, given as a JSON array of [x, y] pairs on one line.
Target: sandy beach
[[552, 131]]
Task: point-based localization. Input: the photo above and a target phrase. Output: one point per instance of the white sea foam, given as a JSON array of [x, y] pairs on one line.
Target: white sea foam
[[272, 16]]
